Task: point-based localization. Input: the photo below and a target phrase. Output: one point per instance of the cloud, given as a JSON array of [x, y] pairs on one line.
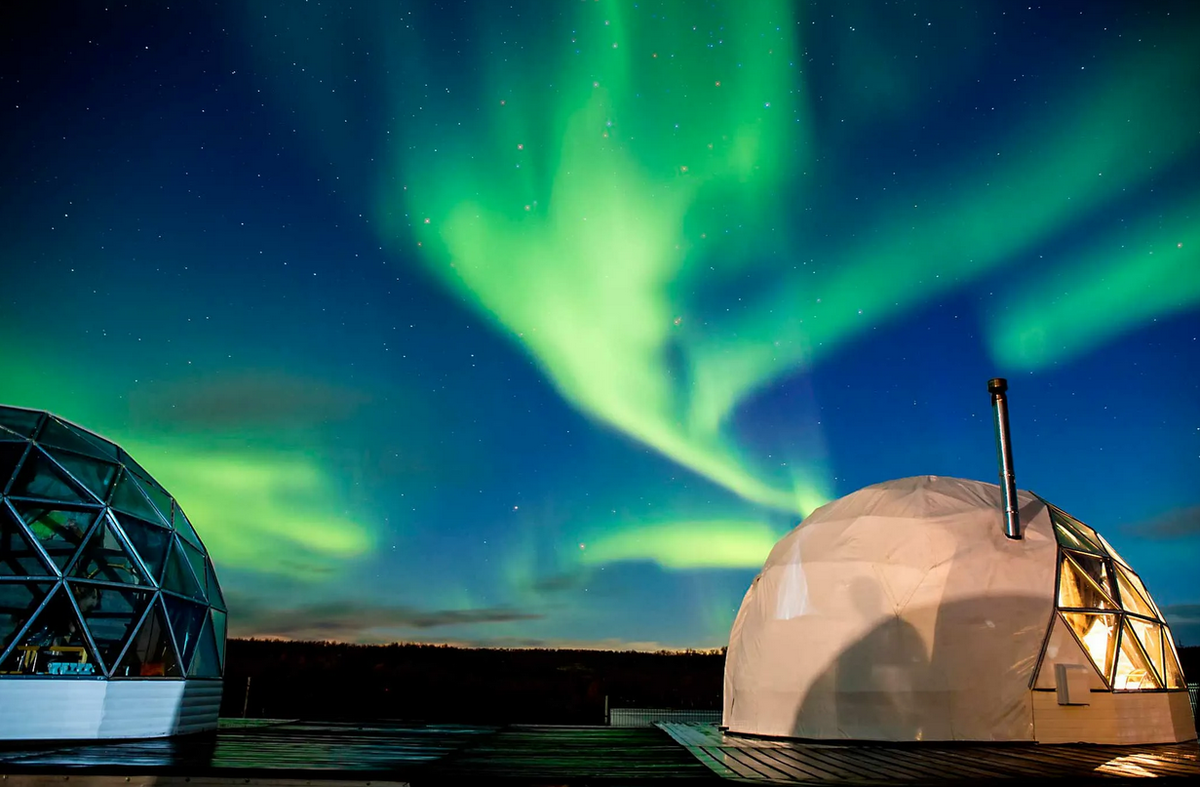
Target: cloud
[[1184, 620], [557, 583], [349, 621], [253, 399], [1178, 523]]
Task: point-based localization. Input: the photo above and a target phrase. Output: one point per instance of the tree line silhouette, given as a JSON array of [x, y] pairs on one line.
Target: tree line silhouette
[[445, 684]]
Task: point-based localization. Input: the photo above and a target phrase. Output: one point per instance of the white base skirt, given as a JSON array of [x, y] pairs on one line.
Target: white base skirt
[[90, 708]]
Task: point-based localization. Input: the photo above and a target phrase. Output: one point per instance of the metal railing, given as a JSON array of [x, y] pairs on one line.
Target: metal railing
[[1194, 696], [646, 717]]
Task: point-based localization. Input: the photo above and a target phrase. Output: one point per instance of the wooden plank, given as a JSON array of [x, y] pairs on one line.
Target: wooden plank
[[830, 771], [729, 757], [1157, 764], [769, 769], [803, 772], [905, 763], [961, 763], [836, 756]]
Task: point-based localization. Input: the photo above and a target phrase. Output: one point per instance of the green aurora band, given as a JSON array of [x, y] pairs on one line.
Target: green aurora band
[[580, 215], [262, 504], [574, 244]]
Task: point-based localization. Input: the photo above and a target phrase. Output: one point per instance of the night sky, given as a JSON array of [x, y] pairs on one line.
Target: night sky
[[538, 323]]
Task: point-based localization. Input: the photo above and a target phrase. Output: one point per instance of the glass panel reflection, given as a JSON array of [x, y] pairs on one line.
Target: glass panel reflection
[[23, 422], [151, 654], [1077, 589], [60, 435], [96, 476], [1139, 600], [60, 531], [104, 558], [186, 621], [148, 541], [41, 478], [177, 576], [1075, 533], [128, 498], [206, 663]]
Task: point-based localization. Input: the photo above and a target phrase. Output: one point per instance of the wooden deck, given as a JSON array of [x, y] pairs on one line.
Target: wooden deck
[[382, 753], [796, 762]]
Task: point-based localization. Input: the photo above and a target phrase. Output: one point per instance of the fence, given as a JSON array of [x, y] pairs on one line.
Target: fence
[[645, 717]]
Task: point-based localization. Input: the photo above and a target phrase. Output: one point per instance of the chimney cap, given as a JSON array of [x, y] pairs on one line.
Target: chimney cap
[[997, 385]]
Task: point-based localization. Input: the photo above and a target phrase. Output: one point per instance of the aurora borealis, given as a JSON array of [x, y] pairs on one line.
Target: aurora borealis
[[539, 324]]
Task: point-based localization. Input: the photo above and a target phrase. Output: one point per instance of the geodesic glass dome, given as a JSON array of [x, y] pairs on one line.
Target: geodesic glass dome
[[101, 574]]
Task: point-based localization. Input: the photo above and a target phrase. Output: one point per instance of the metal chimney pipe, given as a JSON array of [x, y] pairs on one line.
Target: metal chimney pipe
[[1008, 479]]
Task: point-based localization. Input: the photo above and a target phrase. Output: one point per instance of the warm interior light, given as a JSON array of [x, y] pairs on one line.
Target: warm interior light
[[1096, 640]]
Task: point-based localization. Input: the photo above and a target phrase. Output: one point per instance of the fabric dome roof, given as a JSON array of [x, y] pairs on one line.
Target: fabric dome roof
[[101, 573], [903, 612]]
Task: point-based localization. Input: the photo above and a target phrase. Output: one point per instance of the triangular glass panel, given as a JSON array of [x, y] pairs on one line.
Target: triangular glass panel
[[60, 531], [41, 478], [127, 497], [1074, 534], [149, 542], [215, 596], [206, 663], [1112, 552], [151, 654], [177, 576], [1097, 633], [1097, 569], [105, 558], [1078, 590], [1174, 676], [18, 601], [218, 624], [1134, 595], [185, 529], [9, 435], [110, 615], [54, 643], [139, 471], [10, 456], [186, 621], [160, 499], [22, 422], [96, 476], [18, 556], [1133, 667], [60, 435], [1150, 635], [195, 559]]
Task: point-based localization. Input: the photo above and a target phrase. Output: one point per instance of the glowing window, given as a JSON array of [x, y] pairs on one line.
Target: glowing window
[[1134, 670], [1109, 610], [1098, 634]]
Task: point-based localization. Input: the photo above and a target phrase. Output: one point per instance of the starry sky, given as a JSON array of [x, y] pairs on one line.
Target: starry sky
[[538, 323]]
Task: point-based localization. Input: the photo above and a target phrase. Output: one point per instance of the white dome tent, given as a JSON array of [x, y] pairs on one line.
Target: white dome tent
[[112, 624], [905, 612]]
